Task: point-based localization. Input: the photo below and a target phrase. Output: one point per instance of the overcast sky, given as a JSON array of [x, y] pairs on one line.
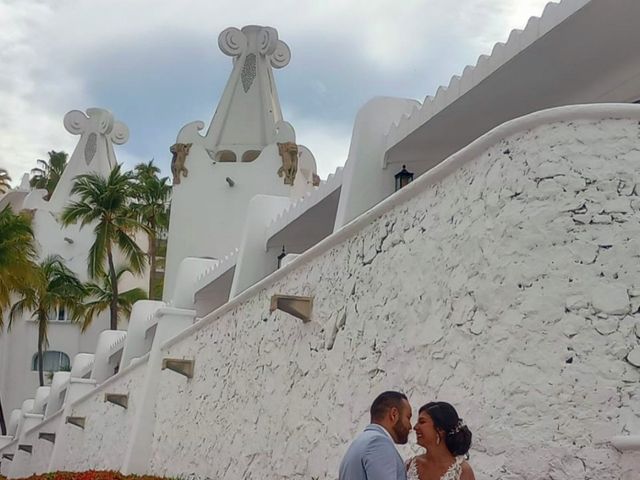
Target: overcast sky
[[156, 64]]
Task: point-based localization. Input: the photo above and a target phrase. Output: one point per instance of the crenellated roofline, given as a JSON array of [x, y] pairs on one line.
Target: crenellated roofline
[[553, 14]]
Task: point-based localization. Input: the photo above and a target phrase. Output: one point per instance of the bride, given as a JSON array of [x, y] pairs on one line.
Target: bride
[[447, 440]]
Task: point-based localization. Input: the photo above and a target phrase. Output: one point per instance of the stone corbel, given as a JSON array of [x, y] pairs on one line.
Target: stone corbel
[[77, 421], [122, 400], [49, 437], [26, 448], [179, 365], [299, 307]]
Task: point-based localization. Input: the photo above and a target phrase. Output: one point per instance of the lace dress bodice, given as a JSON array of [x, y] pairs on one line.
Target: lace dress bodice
[[454, 472]]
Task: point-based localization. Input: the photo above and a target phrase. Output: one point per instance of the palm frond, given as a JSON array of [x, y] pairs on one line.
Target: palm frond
[[17, 255], [136, 258], [98, 251], [79, 211], [128, 298]]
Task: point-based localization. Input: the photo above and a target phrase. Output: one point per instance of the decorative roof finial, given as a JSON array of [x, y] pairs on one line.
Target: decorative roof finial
[[96, 122], [249, 108], [254, 39], [98, 131]]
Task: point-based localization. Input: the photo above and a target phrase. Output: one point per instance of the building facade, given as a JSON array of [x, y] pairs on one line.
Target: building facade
[[502, 278]]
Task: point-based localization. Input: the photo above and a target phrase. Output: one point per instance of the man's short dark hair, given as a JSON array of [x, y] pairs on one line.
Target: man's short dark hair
[[384, 402]]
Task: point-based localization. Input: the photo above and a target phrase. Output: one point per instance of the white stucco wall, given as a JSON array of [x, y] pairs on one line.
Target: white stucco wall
[[103, 442], [365, 181], [213, 212], [22, 344], [42, 449], [26, 464], [508, 287], [503, 281]]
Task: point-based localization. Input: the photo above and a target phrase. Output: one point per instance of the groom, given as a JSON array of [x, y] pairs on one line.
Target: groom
[[373, 455]]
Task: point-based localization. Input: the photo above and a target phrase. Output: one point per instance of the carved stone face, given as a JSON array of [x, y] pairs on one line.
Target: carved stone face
[[289, 153], [180, 152], [291, 148], [180, 148]]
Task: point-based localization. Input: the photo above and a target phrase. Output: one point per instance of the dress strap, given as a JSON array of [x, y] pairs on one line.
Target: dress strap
[[455, 470], [412, 469]]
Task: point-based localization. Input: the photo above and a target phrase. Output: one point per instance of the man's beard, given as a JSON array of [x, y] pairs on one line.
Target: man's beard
[[402, 434]]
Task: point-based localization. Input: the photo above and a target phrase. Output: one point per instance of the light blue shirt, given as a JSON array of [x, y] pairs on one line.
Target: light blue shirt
[[372, 456]]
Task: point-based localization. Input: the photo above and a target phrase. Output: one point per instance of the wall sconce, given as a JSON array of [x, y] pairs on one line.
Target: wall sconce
[[230, 182], [403, 178], [281, 257]]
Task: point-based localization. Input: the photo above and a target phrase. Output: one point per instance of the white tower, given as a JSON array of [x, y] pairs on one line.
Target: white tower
[[216, 175], [98, 131]]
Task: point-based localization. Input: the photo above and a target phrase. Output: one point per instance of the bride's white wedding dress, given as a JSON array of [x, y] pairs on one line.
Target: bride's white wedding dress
[[454, 472]]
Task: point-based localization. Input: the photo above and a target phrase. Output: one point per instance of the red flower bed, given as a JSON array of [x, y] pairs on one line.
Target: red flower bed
[[89, 475]]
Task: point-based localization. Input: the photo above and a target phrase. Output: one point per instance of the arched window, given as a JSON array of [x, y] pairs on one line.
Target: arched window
[[53, 361], [226, 156], [250, 155]]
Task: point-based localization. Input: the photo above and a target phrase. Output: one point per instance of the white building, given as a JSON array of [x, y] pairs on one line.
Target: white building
[[18, 347], [503, 278]]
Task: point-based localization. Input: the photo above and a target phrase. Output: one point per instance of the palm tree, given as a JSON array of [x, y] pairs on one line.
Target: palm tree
[[17, 256], [147, 170], [104, 202], [100, 297], [57, 287], [4, 180], [48, 172], [17, 252], [151, 204]]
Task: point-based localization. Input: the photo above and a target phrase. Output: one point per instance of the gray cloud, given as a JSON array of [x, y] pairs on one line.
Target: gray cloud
[[156, 64]]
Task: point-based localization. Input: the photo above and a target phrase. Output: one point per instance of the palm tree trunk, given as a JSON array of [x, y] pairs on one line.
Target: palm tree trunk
[[114, 290], [3, 426], [152, 264], [40, 359]]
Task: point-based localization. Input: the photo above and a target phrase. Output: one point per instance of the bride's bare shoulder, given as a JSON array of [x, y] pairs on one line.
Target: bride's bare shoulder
[[466, 472], [413, 460], [410, 460]]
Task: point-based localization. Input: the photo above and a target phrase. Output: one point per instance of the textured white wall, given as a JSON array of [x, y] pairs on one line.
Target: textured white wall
[[42, 449], [25, 464], [509, 288], [207, 214], [103, 442]]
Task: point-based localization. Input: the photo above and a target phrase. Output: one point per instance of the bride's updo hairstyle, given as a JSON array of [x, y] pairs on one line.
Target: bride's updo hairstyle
[[457, 436]]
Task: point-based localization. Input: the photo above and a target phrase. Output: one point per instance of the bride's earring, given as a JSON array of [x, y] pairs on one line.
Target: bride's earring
[[437, 439]]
